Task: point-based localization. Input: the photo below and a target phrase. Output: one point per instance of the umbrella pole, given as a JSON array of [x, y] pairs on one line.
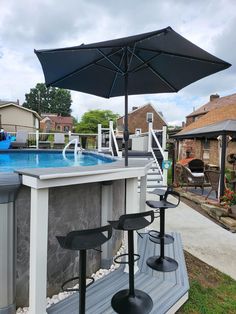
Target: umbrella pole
[[126, 130]]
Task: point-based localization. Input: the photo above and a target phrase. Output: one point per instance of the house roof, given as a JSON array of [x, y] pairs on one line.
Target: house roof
[[60, 119], [215, 103], [4, 102], [7, 104], [135, 110], [219, 119]]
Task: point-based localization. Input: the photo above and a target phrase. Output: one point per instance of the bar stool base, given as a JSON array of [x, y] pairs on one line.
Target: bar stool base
[[122, 302], [165, 264], [154, 236]]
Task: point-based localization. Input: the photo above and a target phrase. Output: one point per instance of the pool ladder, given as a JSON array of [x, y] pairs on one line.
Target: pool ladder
[[77, 148]]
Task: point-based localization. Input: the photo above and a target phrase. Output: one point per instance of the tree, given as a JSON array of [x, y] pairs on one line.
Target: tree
[[90, 120], [49, 100]]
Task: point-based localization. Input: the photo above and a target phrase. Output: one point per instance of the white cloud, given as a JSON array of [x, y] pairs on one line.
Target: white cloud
[[27, 25]]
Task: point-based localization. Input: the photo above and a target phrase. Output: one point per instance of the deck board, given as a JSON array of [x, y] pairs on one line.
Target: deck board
[[165, 289]]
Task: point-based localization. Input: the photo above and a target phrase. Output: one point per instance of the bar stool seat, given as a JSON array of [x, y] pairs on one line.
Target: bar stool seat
[[162, 262], [83, 240], [132, 301]]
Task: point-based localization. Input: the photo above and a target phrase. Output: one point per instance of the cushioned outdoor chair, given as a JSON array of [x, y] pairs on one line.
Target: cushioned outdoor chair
[[189, 178], [21, 140], [196, 165], [213, 177], [59, 140]]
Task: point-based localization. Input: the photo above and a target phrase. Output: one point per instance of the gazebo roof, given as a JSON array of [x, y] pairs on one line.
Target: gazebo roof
[[212, 130]]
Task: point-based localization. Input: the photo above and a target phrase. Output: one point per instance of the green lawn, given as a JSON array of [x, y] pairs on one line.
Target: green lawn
[[211, 292]]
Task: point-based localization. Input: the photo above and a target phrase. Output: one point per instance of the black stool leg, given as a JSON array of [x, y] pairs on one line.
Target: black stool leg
[[156, 236], [131, 301], [162, 262], [82, 281]]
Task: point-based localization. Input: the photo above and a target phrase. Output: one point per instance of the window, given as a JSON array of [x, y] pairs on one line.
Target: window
[[206, 149], [149, 117]]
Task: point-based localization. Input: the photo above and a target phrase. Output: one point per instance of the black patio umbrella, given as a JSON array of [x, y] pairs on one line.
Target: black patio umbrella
[[156, 62]]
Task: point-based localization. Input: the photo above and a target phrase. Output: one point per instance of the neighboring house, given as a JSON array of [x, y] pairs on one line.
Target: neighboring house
[[14, 117], [53, 122], [139, 117], [215, 102], [190, 142]]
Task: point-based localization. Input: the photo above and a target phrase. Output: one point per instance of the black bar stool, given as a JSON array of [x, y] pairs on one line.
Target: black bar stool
[[81, 241], [162, 262], [132, 301], [155, 236]]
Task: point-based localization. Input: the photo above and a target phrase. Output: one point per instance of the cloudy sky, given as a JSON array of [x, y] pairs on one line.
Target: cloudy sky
[[26, 25]]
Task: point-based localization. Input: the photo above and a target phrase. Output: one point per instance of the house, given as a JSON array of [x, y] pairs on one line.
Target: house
[[139, 118], [200, 138], [54, 122], [14, 117], [215, 102]]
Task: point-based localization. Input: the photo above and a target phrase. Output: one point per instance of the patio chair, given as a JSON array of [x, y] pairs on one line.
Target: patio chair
[[195, 179], [21, 140], [196, 165], [213, 177], [59, 140], [73, 137]]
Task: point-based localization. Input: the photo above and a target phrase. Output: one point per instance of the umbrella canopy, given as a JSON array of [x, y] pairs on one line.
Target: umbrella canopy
[[156, 62]]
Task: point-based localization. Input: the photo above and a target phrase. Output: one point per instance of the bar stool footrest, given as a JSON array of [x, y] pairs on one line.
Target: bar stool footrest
[[75, 289], [155, 237], [125, 262]]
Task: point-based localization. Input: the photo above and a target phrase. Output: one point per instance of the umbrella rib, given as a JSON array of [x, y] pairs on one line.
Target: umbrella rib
[[108, 59], [80, 69], [116, 75], [184, 56], [144, 62], [157, 74]]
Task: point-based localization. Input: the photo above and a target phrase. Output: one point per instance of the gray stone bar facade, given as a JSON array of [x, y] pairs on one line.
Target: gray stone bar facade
[[70, 208]]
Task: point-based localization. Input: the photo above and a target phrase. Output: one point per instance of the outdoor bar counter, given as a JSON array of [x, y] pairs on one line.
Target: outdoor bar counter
[[44, 181]]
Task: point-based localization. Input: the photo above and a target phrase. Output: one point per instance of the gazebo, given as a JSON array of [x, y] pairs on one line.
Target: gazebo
[[222, 130]]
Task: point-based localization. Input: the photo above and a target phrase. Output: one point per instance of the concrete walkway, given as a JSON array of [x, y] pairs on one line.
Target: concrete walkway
[[201, 237]]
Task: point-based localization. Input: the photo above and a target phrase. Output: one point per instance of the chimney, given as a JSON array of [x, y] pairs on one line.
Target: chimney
[[18, 102], [214, 97], [134, 108], [183, 124]]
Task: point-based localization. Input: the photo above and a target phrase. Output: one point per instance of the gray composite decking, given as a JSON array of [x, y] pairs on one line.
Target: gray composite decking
[[167, 290]]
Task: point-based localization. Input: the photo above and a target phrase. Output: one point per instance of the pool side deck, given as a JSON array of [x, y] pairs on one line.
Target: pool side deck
[[167, 290]]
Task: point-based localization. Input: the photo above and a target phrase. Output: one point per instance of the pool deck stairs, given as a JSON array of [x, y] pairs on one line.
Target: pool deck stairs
[[169, 291]]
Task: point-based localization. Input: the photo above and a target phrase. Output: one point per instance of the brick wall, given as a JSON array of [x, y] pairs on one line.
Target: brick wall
[[137, 119]]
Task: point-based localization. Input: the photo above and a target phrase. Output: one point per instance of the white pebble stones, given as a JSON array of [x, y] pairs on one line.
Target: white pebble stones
[[63, 295]]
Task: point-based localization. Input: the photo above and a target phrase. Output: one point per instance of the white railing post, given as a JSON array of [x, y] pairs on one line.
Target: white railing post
[[149, 136], [99, 137], [110, 135], [165, 170], [37, 138], [164, 133]]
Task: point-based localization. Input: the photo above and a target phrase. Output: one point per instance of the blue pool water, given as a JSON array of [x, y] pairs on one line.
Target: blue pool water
[[10, 161]]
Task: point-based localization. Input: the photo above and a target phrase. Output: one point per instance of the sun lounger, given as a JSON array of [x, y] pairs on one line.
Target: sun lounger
[[21, 140], [59, 140]]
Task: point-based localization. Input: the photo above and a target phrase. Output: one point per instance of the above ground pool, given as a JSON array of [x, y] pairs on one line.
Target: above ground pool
[[13, 160]]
